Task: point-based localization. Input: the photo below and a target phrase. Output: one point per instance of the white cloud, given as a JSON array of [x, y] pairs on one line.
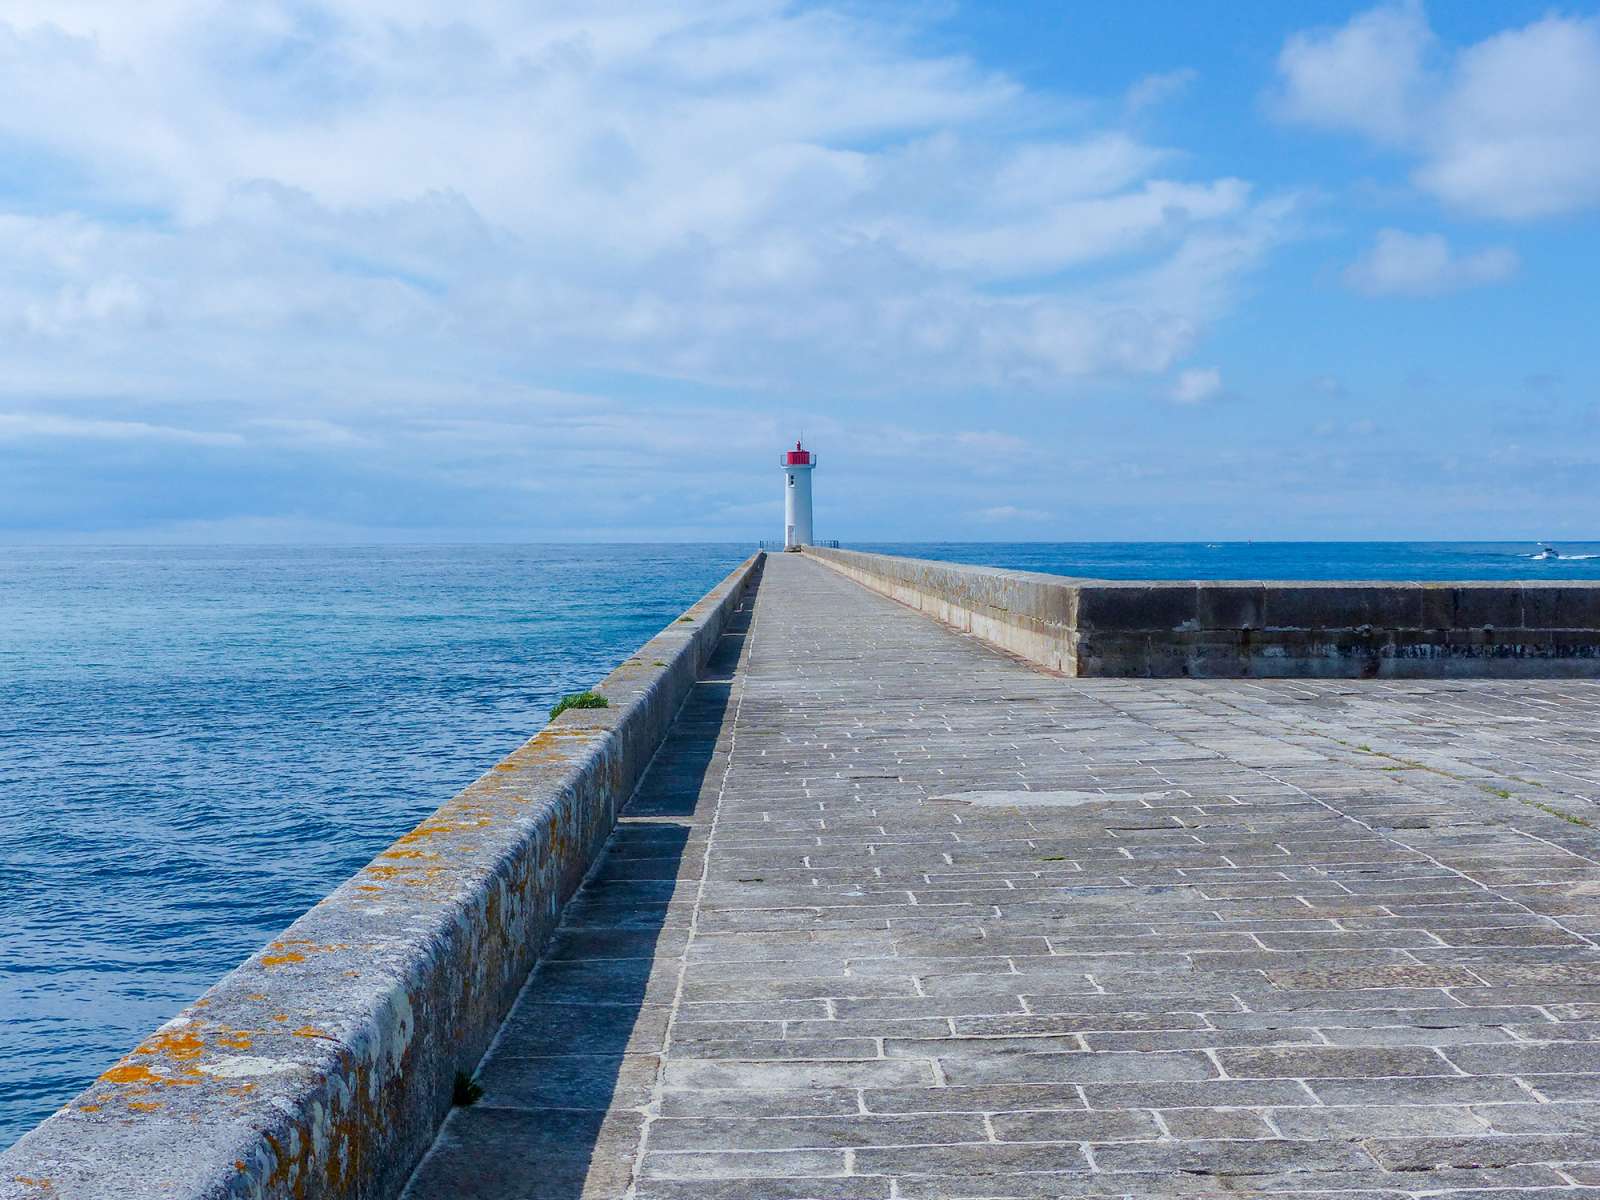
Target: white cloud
[[1422, 264], [1519, 135], [310, 432], [742, 193], [1197, 385], [1154, 90], [17, 426], [1035, 175], [1071, 232], [1365, 76], [1502, 128]]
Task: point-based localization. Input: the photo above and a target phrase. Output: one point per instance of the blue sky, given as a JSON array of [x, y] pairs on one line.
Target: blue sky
[[354, 270]]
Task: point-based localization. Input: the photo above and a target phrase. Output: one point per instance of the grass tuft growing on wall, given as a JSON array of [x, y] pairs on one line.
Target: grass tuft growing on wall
[[579, 700]]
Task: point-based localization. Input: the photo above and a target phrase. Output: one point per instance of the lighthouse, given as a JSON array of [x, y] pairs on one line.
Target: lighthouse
[[797, 466]]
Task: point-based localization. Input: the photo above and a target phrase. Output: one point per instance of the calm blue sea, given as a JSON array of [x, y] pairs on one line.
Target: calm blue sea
[[1268, 560], [196, 744]]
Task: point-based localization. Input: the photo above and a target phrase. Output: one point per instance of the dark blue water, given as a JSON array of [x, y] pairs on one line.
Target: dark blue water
[[197, 744], [1267, 560]]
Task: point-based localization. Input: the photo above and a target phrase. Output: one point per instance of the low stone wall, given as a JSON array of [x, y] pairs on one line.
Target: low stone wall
[[1232, 629], [324, 1065], [1033, 616]]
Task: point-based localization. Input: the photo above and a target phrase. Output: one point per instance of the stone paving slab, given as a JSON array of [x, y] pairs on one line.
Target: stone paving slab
[[895, 917]]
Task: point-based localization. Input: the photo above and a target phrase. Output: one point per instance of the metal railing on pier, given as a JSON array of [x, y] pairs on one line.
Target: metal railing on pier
[[777, 546]]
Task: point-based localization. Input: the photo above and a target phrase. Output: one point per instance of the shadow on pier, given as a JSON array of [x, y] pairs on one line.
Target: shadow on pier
[[579, 1054]]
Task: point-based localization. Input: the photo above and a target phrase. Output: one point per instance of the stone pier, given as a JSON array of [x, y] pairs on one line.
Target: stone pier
[[893, 916]]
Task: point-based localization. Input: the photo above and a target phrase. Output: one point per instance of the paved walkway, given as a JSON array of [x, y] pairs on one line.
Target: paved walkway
[[896, 916]]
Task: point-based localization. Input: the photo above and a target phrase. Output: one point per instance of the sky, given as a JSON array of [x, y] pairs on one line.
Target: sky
[[396, 271]]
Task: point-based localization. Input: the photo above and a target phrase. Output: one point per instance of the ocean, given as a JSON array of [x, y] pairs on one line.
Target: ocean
[[1267, 560], [196, 744]]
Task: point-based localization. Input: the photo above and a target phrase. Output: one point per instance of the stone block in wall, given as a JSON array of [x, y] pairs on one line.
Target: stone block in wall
[[1113, 656], [1343, 606], [1130, 606], [1558, 606], [1472, 606], [1231, 605], [1212, 654]]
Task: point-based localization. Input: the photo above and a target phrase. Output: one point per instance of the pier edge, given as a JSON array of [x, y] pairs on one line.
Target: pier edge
[[324, 1064]]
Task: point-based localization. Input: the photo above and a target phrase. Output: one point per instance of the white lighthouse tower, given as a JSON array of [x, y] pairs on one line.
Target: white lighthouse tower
[[797, 467]]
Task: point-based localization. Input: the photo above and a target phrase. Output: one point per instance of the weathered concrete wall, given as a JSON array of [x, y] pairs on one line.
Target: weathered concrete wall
[[323, 1066], [1230, 629], [1355, 630], [1033, 616]]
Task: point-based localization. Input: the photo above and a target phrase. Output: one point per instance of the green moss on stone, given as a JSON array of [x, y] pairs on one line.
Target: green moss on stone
[[579, 700]]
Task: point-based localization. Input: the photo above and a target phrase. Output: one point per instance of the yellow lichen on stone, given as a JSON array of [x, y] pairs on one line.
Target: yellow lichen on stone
[[181, 1045], [282, 953], [143, 1078], [132, 1072]]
